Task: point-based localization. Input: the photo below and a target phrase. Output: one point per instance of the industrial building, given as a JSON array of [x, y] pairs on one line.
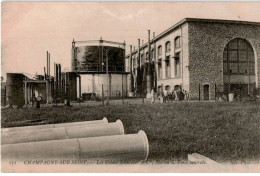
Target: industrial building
[[205, 57], [97, 71]]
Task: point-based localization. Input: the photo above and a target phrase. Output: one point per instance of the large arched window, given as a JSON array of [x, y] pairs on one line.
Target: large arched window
[[159, 50], [168, 46], [238, 58], [152, 56], [177, 42]]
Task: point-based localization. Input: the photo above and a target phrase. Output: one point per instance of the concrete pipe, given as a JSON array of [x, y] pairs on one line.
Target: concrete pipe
[[103, 149], [107, 129], [37, 127]]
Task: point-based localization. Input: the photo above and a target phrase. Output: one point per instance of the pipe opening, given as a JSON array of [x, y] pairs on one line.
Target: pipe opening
[[121, 126], [105, 120], [146, 143]]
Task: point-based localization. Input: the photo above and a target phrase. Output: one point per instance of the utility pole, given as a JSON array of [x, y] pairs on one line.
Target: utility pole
[[108, 86], [122, 88]]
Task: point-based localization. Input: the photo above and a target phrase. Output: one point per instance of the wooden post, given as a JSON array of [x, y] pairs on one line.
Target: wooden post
[[108, 80], [240, 91], [47, 66], [102, 96], [215, 91], [25, 91], [122, 88], [47, 93], [199, 91]]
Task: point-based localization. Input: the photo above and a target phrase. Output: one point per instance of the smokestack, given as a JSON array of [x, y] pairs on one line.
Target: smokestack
[[139, 59], [54, 79], [131, 74], [149, 47], [44, 74], [148, 73], [73, 62], [47, 66], [130, 59], [155, 65], [59, 79], [49, 73], [54, 71]]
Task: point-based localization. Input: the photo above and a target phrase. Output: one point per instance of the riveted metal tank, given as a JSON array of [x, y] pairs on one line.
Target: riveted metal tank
[[14, 89]]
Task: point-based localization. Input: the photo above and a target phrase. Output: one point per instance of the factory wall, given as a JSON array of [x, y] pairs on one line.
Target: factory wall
[[206, 46], [202, 43]]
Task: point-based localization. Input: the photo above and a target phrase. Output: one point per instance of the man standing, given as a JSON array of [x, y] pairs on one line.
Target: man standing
[[152, 95]]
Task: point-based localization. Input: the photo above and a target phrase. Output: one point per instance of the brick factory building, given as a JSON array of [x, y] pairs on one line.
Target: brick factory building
[[205, 57]]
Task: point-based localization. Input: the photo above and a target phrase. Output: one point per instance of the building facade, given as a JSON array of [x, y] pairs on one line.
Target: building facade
[[205, 57]]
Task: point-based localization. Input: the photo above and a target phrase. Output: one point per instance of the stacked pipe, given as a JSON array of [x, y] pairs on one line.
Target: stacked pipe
[[92, 141]]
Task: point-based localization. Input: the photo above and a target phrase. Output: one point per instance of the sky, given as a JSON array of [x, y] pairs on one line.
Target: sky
[[29, 29]]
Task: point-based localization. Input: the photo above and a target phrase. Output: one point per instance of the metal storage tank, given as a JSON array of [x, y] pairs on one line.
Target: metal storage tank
[[99, 63], [89, 58], [14, 89]]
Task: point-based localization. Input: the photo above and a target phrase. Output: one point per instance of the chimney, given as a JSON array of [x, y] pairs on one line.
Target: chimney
[[47, 66], [149, 47], [139, 59]]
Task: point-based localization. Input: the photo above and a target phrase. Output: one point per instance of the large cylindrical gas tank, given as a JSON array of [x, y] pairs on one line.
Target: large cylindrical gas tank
[[90, 58], [14, 89], [38, 127], [107, 129], [103, 149]]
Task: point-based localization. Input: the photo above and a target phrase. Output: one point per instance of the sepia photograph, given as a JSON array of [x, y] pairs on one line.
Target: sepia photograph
[[130, 87]]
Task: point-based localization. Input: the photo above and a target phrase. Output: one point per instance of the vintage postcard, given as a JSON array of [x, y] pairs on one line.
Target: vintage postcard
[[139, 87]]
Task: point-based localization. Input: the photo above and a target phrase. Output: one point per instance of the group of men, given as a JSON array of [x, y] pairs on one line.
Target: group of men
[[164, 96]]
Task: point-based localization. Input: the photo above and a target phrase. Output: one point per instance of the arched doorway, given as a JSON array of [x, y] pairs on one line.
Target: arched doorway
[[239, 67], [168, 89], [177, 87]]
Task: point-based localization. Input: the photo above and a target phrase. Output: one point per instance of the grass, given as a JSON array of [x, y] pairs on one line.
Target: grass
[[223, 131]]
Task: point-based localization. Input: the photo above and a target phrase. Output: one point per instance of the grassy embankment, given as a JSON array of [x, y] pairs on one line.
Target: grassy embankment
[[223, 131]]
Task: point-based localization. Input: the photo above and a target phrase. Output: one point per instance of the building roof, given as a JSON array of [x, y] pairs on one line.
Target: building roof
[[201, 20]]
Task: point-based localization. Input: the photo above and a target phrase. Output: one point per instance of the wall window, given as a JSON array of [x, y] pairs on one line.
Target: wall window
[[142, 58], [159, 50], [177, 42], [159, 68], [168, 89], [238, 58], [152, 55], [177, 64], [168, 67], [168, 47]]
